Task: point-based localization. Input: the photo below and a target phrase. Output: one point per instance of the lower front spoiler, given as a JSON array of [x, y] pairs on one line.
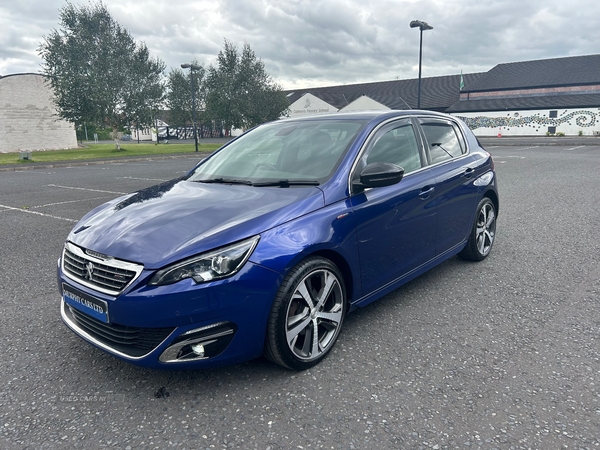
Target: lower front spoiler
[[180, 348]]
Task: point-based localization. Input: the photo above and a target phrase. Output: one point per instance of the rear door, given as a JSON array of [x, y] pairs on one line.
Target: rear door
[[454, 170]]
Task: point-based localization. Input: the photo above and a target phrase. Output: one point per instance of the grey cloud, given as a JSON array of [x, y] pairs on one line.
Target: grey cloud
[[316, 42]]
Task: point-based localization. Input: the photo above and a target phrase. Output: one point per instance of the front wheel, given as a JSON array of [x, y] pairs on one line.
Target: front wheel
[[483, 232], [307, 315]]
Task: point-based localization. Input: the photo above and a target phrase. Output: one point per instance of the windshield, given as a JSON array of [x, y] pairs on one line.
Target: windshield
[[282, 154]]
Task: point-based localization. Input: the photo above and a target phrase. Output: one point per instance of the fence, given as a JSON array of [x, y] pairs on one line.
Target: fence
[[188, 132]]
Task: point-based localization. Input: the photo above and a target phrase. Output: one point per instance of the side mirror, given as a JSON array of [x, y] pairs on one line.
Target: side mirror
[[380, 174]]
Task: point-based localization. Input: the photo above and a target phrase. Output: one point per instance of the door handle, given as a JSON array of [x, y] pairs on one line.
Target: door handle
[[426, 192], [468, 173]]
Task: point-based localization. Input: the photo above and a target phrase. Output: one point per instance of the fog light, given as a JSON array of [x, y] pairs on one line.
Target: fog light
[[198, 349], [200, 343]]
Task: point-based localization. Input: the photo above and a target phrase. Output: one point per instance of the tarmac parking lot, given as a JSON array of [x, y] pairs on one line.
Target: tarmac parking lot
[[499, 354]]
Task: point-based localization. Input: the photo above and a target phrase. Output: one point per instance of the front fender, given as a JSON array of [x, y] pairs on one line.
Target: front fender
[[329, 229]]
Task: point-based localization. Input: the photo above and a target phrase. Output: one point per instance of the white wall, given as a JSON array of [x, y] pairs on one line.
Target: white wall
[[146, 134], [364, 103], [533, 123], [28, 119], [308, 105]]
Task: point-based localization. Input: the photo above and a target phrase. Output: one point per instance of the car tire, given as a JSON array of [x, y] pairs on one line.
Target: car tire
[[482, 234], [307, 315]]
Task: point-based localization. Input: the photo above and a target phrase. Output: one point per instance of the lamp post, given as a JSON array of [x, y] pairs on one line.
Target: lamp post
[[193, 67], [421, 26]]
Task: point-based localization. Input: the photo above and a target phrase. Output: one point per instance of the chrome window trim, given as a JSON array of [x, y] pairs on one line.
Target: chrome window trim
[[111, 262], [447, 161]]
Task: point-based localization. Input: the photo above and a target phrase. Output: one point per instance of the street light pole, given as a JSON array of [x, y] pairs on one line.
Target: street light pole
[[422, 27], [193, 67]]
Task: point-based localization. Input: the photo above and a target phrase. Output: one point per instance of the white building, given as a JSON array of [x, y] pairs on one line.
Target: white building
[[529, 98], [28, 119]]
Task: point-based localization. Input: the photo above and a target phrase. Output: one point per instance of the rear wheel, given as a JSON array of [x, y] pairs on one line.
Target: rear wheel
[[483, 232], [307, 315]]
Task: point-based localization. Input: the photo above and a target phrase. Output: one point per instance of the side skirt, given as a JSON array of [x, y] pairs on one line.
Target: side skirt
[[395, 284]]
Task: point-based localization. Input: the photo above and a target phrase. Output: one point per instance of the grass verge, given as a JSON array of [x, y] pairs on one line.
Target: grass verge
[[106, 151]]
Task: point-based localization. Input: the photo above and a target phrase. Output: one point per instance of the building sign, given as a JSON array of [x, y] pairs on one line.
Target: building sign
[[308, 105]]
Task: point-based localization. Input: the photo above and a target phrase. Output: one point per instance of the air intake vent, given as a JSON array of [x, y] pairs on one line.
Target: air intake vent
[[131, 341]]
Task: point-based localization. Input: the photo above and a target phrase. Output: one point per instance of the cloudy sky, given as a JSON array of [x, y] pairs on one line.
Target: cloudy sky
[[308, 43]]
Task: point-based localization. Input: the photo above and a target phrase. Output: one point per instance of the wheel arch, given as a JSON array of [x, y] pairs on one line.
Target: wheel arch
[[277, 345], [341, 264], [491, 194]]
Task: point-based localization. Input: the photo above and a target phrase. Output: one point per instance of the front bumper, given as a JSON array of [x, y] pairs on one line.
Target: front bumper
[[183, 325]]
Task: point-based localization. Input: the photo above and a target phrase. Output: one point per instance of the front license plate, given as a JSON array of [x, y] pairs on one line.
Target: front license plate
[[85, 303]]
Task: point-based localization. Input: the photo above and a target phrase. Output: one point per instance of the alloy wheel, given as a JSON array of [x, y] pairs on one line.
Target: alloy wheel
[[486, 228], [314, 315]]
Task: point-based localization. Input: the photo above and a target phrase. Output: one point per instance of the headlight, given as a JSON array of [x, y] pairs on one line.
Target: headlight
[[220, 263]]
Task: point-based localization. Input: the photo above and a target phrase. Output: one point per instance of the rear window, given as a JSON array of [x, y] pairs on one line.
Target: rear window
[[443, 139]]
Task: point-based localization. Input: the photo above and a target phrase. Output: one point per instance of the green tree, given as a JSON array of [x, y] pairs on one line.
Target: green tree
[[142, 100], [239, 92], [179, 95], [97, 71]]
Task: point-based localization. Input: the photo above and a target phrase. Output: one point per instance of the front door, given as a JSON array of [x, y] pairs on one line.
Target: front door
[[395, 224]]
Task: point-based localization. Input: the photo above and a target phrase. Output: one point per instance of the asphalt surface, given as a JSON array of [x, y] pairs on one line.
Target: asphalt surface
[[499, 354], [541, 141]]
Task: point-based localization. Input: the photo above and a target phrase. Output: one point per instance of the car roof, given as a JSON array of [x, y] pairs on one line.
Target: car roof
[[366, 115]]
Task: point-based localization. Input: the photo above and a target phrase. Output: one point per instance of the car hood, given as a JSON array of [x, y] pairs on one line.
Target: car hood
[[177, 219]]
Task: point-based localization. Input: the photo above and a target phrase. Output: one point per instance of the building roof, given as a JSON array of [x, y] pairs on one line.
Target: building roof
[[21, 74], [527, 80], [527, 103], [569, 71], [437, 93]]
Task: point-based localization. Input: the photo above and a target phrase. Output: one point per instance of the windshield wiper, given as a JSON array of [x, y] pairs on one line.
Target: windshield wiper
[[225, 181], [438, 144], [287, 183], [280, 183]]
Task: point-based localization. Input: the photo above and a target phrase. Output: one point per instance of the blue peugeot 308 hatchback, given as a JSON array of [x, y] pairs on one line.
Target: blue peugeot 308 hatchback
[[267, 244]]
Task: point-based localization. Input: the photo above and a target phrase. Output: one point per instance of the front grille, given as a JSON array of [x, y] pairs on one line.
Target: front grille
[[107, 275], [131, 341]]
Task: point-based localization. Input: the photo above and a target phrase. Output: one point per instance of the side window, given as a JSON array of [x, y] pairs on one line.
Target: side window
[[442, 139], [397, 145]]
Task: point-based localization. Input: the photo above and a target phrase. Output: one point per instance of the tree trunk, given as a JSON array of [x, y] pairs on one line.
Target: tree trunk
[[116, 137]]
